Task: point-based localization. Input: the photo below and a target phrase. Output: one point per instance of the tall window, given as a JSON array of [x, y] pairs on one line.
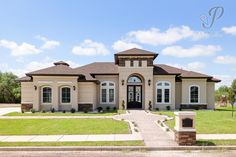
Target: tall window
[[194, 94], [46, 95], [163, 92], [107, 92], [65, 95]]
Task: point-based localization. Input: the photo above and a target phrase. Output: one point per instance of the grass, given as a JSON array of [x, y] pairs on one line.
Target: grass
[[105, 113], [209, 121], [97, 143], [62, 126], [215, 142]]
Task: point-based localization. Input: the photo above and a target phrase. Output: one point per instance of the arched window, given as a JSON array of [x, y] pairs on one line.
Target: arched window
[[46, 95], [107, 92], [194, 94], [65, 95], [134, 79], [163, 92]]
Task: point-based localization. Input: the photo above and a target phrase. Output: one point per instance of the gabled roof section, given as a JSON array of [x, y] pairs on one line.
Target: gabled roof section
[[60, 69], [135, 52], [162, 69], [97, 68]]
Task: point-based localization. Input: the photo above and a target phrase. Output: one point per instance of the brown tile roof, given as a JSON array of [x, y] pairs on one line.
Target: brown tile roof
[[60, 68], [136, 51], [24, 79]]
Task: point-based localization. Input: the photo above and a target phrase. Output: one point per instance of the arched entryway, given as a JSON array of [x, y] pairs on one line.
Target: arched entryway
[[134, 92]]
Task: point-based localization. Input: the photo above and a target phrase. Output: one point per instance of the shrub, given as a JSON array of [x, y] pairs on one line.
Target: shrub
[[123, 104], [108, 108], [99, 109], [33, 110], [64, 111], [168, 108], [114, 108], [52, 110], [180, 109], [157, 109], [150, 105], [72, 110], [43, 111], [85, 110]]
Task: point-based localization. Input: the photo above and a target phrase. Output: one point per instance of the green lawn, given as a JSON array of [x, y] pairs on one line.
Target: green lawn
[[210, 122], [106, 113], [215, 142], [98, 143], [62, 126]]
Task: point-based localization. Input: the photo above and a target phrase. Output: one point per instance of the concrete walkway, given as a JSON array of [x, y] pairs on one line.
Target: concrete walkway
[[71, 138], [5, 110], [152, 134]]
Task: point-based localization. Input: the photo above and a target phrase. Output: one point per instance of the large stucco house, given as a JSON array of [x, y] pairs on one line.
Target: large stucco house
[[132, 81]]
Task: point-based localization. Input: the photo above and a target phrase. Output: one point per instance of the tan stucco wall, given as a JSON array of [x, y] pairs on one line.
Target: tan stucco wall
[[145, 73], [168, 78], [87, 93], [112, 78], [210, 95], [186, 83], [27, 92], [55, 82], [178, 94]]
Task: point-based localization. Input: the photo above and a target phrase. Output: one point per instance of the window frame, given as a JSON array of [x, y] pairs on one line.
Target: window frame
[[163, 87], [65, 103], [108, 87], [46, 103], [189, 93]]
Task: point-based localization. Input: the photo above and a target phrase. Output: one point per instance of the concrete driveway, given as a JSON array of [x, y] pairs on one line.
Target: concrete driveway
[[5, 110]]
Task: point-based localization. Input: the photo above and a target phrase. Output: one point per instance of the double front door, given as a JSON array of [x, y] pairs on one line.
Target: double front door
[[134, 96]]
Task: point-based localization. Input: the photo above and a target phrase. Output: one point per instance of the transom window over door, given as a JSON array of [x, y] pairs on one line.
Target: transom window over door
[[134, 79], [65, 95], [194, 94], [46, 95], [108, 92], [163, 92]]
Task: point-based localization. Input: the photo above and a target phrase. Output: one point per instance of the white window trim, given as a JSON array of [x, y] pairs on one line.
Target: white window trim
[[61, 95], [189, 94], [42, 95], [163, 92], [107, 92]]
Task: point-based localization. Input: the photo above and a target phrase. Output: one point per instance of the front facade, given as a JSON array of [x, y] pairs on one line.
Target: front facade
[[132, 81]]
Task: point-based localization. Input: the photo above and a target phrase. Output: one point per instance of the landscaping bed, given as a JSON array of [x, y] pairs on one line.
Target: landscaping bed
[[97, 143], [219, 121], [62, 126], [105, 113], [216, 142]]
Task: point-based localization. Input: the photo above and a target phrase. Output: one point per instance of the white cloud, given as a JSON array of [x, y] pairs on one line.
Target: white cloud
[[192, 66], [155, 37], [225, 80], [90, 48], [19, 50], [48, 44], [229, 30], [225, 59], [121, 45], [195, 51]]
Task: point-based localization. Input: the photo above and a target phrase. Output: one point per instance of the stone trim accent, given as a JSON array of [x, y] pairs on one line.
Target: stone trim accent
[[185, 138], [26, 107]]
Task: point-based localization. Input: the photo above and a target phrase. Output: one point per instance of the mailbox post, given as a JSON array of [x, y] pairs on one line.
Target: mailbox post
[[185, 132]]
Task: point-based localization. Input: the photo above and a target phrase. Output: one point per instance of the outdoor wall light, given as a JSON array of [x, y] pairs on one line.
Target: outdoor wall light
[[73, 87], [149, 82], [35, 87], [122, 82]]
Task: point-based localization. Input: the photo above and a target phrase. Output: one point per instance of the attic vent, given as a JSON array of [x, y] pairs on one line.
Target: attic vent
[[61, 63]]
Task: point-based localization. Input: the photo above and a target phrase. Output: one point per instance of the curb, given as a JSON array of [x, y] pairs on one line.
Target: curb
[[116, 148]]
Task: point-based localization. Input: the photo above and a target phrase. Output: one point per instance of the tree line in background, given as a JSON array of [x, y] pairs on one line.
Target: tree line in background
[[9, 88], [225, 93]]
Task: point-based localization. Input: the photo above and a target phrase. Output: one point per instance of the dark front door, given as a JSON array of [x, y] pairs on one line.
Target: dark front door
[[134, 96]]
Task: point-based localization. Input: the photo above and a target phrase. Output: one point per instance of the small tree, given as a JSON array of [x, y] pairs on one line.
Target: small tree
[[232, 94]]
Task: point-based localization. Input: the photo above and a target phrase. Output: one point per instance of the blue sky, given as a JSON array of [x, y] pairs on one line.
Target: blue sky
[[35, 33]]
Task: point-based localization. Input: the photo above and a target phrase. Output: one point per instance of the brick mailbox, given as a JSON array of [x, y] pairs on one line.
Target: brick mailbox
[[185, 132]]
